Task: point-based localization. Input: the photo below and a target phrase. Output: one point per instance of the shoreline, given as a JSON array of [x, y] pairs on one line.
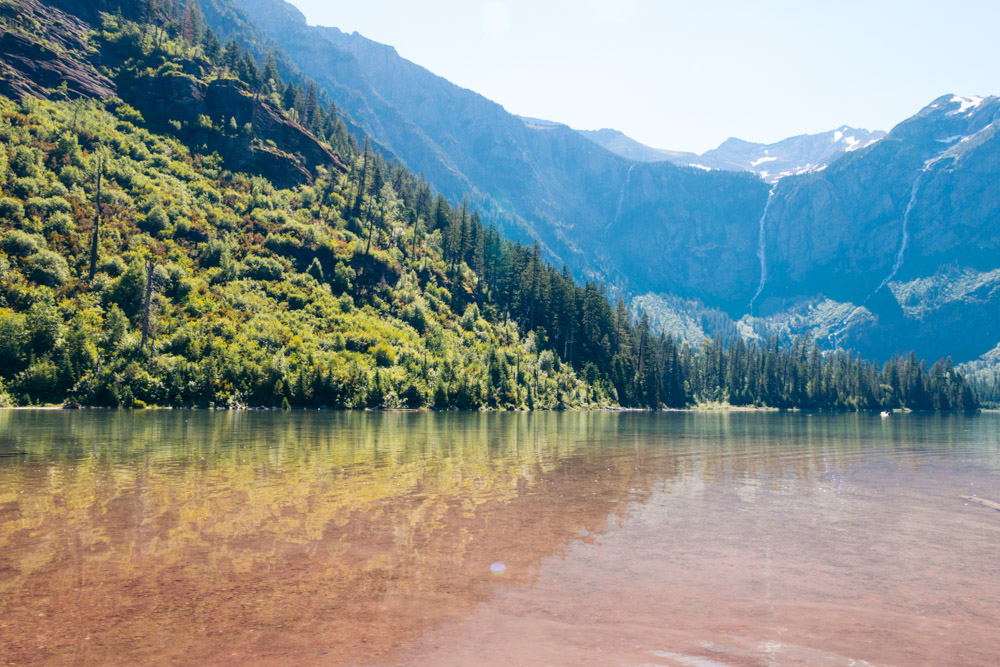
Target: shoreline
[[699, 407]]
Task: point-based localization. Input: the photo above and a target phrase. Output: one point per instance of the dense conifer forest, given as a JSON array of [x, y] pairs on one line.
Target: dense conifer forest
[[145, 260]]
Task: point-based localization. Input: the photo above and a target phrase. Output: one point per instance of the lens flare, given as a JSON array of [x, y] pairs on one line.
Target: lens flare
[[498, 568]]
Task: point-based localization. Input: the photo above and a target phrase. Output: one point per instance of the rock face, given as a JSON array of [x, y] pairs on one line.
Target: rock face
[[45, 45], [180, 97], [42, 47], [909, 228]]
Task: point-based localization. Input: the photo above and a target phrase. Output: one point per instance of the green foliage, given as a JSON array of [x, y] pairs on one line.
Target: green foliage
[[258, 296], [20, 243], [343, 278], [156, 220], [24, 161], [11, 210], [47, 268]]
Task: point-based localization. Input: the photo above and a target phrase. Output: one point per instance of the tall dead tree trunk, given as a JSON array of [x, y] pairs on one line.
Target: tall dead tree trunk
[[147, 302], [97, 220]]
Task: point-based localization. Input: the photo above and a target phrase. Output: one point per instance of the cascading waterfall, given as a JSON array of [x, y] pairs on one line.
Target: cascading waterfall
[[948, 152], [900, 254], [904, 242], [906, 231], [621, 200], [761, 249]]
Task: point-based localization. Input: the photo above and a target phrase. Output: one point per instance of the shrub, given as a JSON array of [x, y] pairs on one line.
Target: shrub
[[468, 320], [26, 187], [315, 269], [46, 206], [214, 253], [67, 148], [22, 244], [412, 397], [60, 223], [546, 360], [56, 189], [262, 268], [24, 161], [13, 338], [343, 278], [415, 315], [155, 221], [11, 209], [47, 268], [384, 355], [71, 175], [113, 265], [40, 381], [346, 303]]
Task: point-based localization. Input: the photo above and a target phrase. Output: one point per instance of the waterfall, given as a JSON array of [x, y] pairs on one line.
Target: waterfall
[[905, 241], [761, 249], [948, 152], [900, 254], [621, 199]]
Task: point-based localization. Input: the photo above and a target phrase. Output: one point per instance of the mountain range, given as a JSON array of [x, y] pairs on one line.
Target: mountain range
[[772, 162], [715, 250], [883, 243]]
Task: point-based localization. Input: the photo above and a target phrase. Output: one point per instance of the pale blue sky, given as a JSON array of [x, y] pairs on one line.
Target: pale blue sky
[[688, 74]]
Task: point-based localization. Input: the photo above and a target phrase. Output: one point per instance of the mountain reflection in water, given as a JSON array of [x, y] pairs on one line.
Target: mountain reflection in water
[[318, 538]]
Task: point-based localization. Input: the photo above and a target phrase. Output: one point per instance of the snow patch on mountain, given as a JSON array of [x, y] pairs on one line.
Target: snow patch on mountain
[[772, 162], [965, 104]]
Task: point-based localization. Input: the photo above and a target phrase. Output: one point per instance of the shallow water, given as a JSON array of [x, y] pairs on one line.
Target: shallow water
[[456, 539]]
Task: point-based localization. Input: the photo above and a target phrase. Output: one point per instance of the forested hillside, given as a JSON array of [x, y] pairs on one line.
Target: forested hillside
[[213, 236]]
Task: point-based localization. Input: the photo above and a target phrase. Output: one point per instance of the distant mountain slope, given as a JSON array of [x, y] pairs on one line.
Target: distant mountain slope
[[540, 182], [908, 229], [809, 257], [795, 155], [624, 145]]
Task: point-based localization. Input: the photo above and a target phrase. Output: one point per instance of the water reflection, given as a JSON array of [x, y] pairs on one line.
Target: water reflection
[[345, 537]]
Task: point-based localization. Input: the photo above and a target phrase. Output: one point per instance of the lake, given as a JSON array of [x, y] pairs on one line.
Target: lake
[[586, 538]]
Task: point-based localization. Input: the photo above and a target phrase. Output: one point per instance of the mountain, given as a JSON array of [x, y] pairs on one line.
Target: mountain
[[205, 248], [641, 227], [772, 162], [624, 145], [183, 227], [808, 257], [907, 231]]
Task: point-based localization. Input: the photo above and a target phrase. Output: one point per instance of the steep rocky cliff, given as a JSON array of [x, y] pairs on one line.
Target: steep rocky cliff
[[907, 230], [178, 97], [42, 48], [49, 50]]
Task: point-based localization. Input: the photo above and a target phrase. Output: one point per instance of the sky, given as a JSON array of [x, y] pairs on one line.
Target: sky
[[687, 74]]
